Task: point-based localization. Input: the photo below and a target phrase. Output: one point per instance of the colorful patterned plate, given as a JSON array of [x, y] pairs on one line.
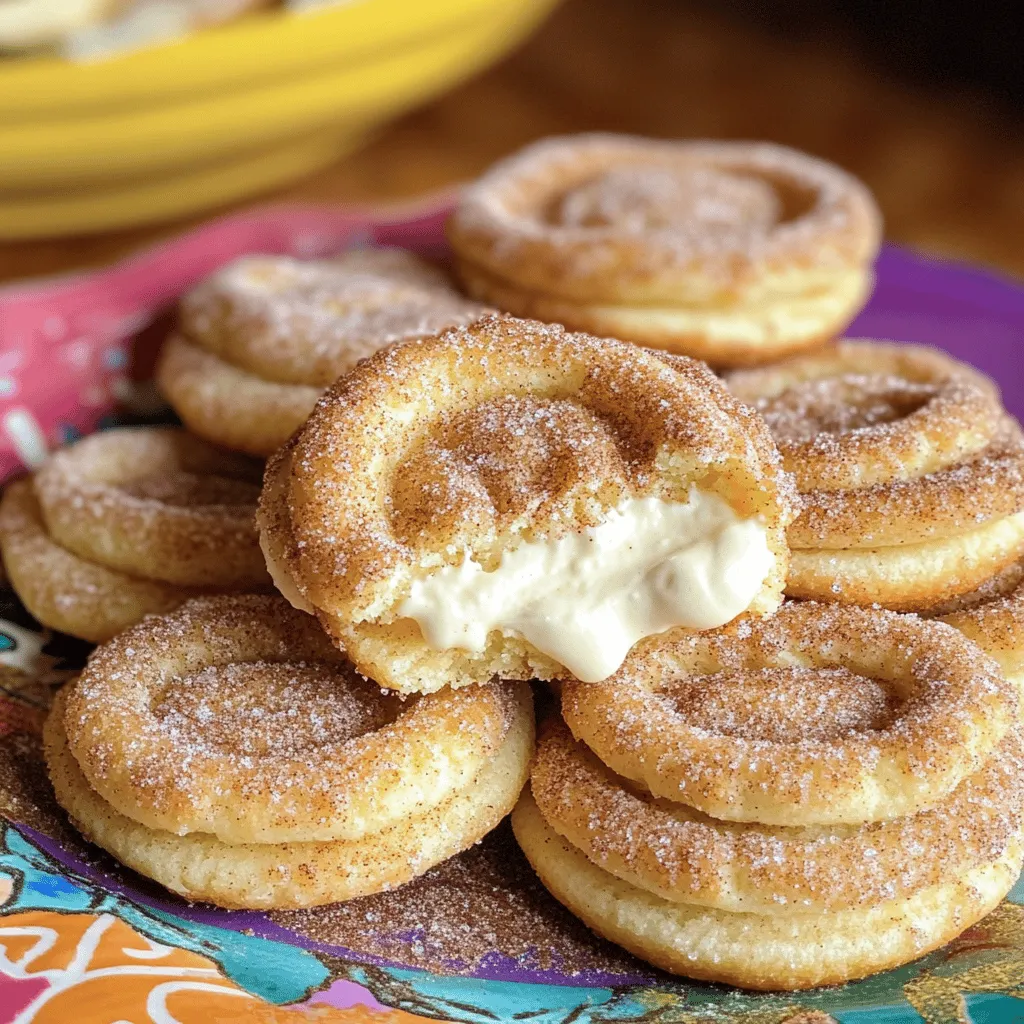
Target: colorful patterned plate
[[84, 942]]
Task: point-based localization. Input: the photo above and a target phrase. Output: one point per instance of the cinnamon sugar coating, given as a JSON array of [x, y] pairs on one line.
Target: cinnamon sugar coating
[[684, 856], [784, 803], [262, 337], [762, 951], [128, 523], [236, 717], [911, 473], [230, 406], [66, 592], [491, 435], [156, 503], [865, 412], [985, 486], [993, 617], [264, 875], [308, 322], [734, 252], [910, 577], [697, 720]]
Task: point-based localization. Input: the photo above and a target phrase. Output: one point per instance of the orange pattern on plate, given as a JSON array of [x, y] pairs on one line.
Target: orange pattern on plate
[[97, 969]]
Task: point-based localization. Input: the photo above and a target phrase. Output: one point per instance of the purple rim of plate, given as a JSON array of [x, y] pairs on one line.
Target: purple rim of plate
[[972, 313], [493, 967]]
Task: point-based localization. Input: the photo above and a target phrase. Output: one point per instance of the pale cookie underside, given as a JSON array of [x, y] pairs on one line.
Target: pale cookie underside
[[227, 405], [760, 951]]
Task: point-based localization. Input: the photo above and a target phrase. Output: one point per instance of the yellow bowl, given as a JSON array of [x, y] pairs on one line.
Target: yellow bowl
[[227, 113]]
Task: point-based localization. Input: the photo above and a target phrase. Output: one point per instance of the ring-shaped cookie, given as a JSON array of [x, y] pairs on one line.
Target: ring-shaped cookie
[[911, 474], [478, 441], [229, 406], [683, 856], [309, 321], [985, 487], [145, 707], [761, 951], [734, 252], [261, 338], [756, 730], [860, 413], [156, 503], [993, 617], [907, 577], [199, 866], [66, 592]]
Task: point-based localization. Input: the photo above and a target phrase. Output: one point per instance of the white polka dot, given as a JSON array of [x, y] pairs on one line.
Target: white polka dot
[[78, 352], [25, 433]]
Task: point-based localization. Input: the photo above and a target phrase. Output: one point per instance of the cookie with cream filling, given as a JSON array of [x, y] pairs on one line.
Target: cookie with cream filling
[[512, 499]]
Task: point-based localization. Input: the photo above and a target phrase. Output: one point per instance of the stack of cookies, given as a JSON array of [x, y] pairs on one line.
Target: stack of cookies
[[786, 803], [130, 523], [229, 751], [259, 341], [911, 473], [457, 502]]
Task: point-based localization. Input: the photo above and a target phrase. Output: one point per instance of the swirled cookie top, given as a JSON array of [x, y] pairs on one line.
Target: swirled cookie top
[[841, 405], [150, 469], [291, 699], [268, 709], [507, 431], [236, 716], [782, 704], [307, 322], [819, 714], [700, 202], [496, 463], [860, 413], [566, 213]]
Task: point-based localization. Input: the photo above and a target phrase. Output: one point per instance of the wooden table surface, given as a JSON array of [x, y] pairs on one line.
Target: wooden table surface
[[947, 167]]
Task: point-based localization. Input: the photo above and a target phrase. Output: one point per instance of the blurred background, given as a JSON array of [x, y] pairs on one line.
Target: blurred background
[[376, 101]]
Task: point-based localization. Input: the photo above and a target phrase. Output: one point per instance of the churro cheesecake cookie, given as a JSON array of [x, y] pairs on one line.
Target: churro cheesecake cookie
[[231, 753], [260, 339], [784, 803], [127, 523], [911, 473], [734, 252], [512, 499]]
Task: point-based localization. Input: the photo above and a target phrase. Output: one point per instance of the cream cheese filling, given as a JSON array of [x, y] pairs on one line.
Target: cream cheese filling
[[585, 599]]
